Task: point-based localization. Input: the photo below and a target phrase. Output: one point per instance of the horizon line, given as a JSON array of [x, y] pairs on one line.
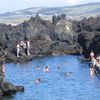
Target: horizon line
[[81, 4]]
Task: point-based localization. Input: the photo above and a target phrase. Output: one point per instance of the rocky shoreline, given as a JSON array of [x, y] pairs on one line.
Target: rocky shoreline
[[7, 88], [26, 58], [59, 36], [46, 38]]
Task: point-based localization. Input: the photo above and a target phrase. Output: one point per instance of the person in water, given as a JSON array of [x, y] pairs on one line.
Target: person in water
[[38, 80], [38, 68], [46, 69], [58, 67], [91, 64], [3, 70], [92, 58]]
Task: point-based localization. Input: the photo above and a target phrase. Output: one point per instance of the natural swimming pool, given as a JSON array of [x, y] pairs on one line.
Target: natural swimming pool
[[71, 82]]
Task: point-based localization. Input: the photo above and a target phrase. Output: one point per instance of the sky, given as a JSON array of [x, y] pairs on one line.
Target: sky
[[12, 5]]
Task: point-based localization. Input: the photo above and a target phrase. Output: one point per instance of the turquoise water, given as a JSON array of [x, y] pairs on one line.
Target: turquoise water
[[71, 82]]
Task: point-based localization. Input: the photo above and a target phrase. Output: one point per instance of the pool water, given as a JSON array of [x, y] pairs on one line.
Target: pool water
[[71, 81]]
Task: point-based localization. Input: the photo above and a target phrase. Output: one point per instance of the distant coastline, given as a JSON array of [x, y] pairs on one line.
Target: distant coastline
[[77, 12]]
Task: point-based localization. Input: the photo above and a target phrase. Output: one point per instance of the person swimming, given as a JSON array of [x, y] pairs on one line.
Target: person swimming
[[46, 69], [66, 74], [58, 67], [37, 68], [92, 58], [38, 80], [3, 70], [91, 64]]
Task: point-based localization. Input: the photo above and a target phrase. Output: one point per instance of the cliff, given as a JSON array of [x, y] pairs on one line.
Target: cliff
[[46, 38], [89, 35]]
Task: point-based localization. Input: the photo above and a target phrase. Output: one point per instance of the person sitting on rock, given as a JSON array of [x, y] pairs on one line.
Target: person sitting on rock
[[28, 47], [18, 49]]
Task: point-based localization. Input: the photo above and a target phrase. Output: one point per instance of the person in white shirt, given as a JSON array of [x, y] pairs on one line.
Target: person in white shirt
[[28, 47], [18, 49]]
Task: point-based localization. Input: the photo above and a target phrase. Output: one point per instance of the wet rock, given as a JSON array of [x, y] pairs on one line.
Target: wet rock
[[8, 88], [20, 88], [89, 35], [10, 57], [1, 93], [85, 39]]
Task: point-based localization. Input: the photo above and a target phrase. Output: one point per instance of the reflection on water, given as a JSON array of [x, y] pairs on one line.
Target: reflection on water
[[71, 81]]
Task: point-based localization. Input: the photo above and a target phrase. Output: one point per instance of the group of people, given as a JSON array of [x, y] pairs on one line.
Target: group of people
[[24, 45], [46, 69], [95, 62]]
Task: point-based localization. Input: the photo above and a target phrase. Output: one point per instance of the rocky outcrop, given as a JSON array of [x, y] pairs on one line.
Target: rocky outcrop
[[46, 38], [59, 36], [89, 35], [8, 88]]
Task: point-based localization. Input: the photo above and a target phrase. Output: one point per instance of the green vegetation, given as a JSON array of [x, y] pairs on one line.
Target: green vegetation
[[73, 12]]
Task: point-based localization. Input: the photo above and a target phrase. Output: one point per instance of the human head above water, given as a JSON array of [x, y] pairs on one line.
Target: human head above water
[[46, 66]]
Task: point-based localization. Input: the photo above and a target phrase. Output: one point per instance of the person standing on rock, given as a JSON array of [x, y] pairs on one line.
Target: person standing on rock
[[18, 49], [28, 47], [23, 45]]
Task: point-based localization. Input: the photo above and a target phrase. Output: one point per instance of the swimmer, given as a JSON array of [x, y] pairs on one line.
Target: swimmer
[[66, 74], [58, 67], [38, 80], [91, 69], [37, 68], [46, 69], [3, 70]]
